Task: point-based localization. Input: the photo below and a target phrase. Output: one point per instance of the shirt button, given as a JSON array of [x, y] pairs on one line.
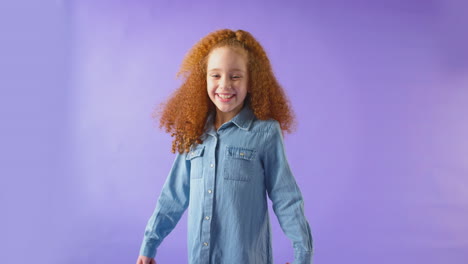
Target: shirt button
[[210, 191], [207, 218], [211, 165], [205, 243]]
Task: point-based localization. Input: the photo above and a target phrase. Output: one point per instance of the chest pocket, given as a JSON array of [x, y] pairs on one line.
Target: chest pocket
[[196, 162], [239, 163]]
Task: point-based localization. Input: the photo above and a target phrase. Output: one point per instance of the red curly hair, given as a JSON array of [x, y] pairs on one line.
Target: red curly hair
[[185, 113]]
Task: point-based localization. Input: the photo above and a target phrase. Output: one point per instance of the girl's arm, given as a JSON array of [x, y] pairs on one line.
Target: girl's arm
[[286, 197], [170, 206]]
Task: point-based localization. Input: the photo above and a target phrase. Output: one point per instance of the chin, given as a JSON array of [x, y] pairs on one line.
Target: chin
[[226, 109]]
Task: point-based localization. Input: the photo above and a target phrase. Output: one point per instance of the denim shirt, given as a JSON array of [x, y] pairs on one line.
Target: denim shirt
[[226, 180]]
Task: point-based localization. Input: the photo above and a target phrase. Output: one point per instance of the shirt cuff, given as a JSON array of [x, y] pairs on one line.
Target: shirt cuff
[[148, 249], [302, 257]]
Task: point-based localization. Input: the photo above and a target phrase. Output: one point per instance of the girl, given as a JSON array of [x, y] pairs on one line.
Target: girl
[[227, 119]]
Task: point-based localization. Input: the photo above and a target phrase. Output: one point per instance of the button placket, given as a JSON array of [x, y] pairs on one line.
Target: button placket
[[210, 151]]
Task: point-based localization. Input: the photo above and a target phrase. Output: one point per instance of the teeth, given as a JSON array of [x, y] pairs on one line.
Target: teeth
[[224, 96]]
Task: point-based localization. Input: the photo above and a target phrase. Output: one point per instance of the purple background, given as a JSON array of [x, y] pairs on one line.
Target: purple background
[[380, 90]]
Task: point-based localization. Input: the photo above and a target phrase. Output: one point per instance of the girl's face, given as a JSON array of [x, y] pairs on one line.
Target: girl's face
[[227, 80]]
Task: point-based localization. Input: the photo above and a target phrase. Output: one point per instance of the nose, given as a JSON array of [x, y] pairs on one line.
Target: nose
[[225, 83]]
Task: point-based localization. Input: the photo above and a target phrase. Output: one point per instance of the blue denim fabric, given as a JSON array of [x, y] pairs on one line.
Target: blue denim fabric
[[226, 180]]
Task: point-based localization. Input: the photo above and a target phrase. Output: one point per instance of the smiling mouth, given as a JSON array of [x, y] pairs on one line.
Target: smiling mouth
[[226, 96]]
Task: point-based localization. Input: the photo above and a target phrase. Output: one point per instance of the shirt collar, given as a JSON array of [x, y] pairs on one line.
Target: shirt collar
[[243, 120]]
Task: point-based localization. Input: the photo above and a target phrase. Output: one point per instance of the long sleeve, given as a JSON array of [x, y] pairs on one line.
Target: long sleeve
[[171, 204], [286, 197]]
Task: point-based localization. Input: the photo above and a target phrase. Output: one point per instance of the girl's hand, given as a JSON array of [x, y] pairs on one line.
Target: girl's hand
[[145, 260]]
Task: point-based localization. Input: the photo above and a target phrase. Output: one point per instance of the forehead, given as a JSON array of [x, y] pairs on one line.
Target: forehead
[[227, 58]]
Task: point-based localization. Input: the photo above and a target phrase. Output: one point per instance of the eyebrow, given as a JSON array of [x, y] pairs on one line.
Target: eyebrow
[[217, 69]]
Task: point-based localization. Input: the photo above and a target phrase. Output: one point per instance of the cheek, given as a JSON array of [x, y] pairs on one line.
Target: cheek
[[210, 89], [246, 89]]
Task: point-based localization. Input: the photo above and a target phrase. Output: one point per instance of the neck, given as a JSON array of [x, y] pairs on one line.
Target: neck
[[222, 117]]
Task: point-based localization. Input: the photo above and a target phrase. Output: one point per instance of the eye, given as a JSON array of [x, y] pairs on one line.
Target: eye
[[236, 77], [215, 75]]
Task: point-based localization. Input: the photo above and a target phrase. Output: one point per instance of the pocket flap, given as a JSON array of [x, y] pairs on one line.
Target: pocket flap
[[196, 152], [240, 153]]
